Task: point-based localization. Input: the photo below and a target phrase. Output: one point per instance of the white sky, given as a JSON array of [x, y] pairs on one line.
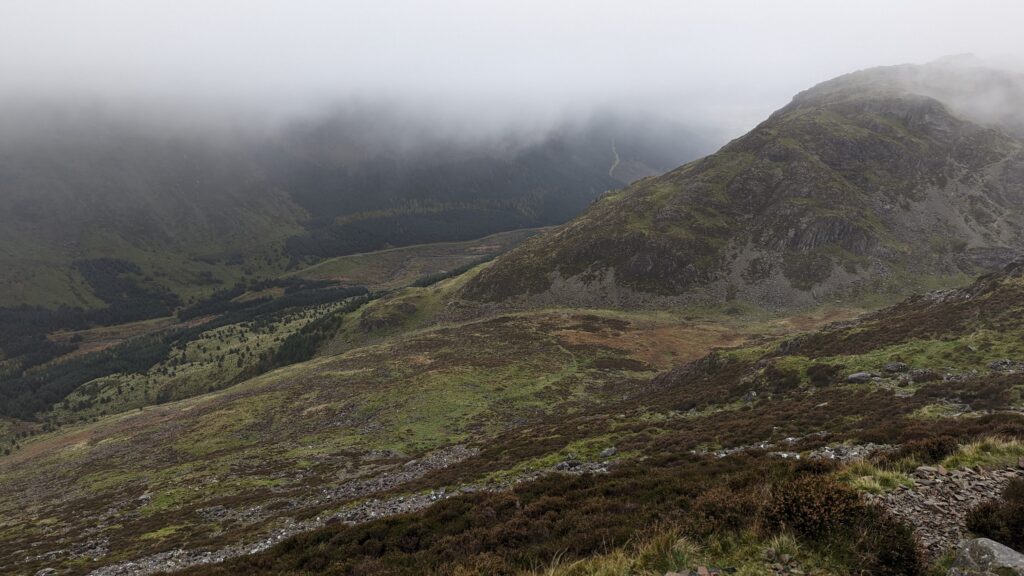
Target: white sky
[[727, 62]]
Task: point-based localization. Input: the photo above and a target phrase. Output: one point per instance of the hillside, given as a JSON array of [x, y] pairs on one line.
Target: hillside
[[695, 372], [864, 184], [60, 367], [526, 438]]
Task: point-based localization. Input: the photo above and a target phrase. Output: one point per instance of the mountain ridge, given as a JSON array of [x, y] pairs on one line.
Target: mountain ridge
[[833, 195]]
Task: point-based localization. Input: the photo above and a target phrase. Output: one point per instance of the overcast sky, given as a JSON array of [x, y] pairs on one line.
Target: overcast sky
[[728, 63]]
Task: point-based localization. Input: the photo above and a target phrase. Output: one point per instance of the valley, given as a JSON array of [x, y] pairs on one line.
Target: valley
[[801, 354]]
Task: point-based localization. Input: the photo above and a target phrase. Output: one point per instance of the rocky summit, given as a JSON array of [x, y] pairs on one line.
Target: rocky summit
[[874, 181]]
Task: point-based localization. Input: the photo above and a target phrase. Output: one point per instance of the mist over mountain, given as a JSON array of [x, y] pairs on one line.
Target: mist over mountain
[[871, 181], [511, 288], [200, 205]]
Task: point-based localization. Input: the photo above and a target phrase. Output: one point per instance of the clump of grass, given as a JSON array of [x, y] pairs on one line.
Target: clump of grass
[[941, 566], [991, 452], [936, 411], [162, 532], [867, 477], [666, 551], [747, 552]]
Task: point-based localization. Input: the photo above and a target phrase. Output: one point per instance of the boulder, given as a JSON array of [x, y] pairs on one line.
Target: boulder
[[984, 557], [860, 377], [895, 367]]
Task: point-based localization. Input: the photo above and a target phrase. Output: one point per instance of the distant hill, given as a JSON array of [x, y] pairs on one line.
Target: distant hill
[[882, 180], [185, 211]]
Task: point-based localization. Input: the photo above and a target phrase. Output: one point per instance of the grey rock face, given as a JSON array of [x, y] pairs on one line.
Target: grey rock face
[[984, 557]]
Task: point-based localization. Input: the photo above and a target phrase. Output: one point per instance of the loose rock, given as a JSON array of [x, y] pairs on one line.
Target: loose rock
[[984, 557], [860, 377], [895, 367], [938, 504]]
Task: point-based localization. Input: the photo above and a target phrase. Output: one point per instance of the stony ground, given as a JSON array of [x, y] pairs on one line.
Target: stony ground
[[371, 508], [938, 504]]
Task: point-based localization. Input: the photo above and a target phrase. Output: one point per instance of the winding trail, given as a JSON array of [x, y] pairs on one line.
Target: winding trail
[[615, 163]]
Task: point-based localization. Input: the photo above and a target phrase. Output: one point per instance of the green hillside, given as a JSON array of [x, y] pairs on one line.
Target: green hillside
[[859, 186]]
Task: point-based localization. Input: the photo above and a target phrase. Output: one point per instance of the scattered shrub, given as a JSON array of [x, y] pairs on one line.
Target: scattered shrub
[[823, 374], [812, 506], [780, 379], [927, 451], [720, 509], [886, 546], [1002, 519]]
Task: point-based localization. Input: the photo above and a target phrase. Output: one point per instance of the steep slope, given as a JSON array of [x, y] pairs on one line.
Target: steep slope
[[183, 209], [863, 183], [690, 450], [732, 454]]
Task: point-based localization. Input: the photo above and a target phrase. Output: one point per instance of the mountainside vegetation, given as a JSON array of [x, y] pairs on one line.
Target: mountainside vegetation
[[720, 483], [718, 367], [652, 451], [860, 186]]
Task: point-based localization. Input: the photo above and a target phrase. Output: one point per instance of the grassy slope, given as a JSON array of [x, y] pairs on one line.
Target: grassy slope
[[397, 267], [700, 407], [292, 429], [226, 355], [834, 195], [530, 390]]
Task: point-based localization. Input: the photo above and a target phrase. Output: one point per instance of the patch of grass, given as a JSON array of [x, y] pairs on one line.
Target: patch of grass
[[866, 477], [162, 532], [586, 450], [106, 479], [991, 452], [973, 350], [936, 411]]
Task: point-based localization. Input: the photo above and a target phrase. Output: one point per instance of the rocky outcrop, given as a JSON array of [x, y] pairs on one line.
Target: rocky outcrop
[[984, 557]]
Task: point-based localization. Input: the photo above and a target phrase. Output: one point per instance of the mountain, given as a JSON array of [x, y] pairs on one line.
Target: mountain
[[174, 207], [179, 207], [368, 196], [424, 422], [881, 180]]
